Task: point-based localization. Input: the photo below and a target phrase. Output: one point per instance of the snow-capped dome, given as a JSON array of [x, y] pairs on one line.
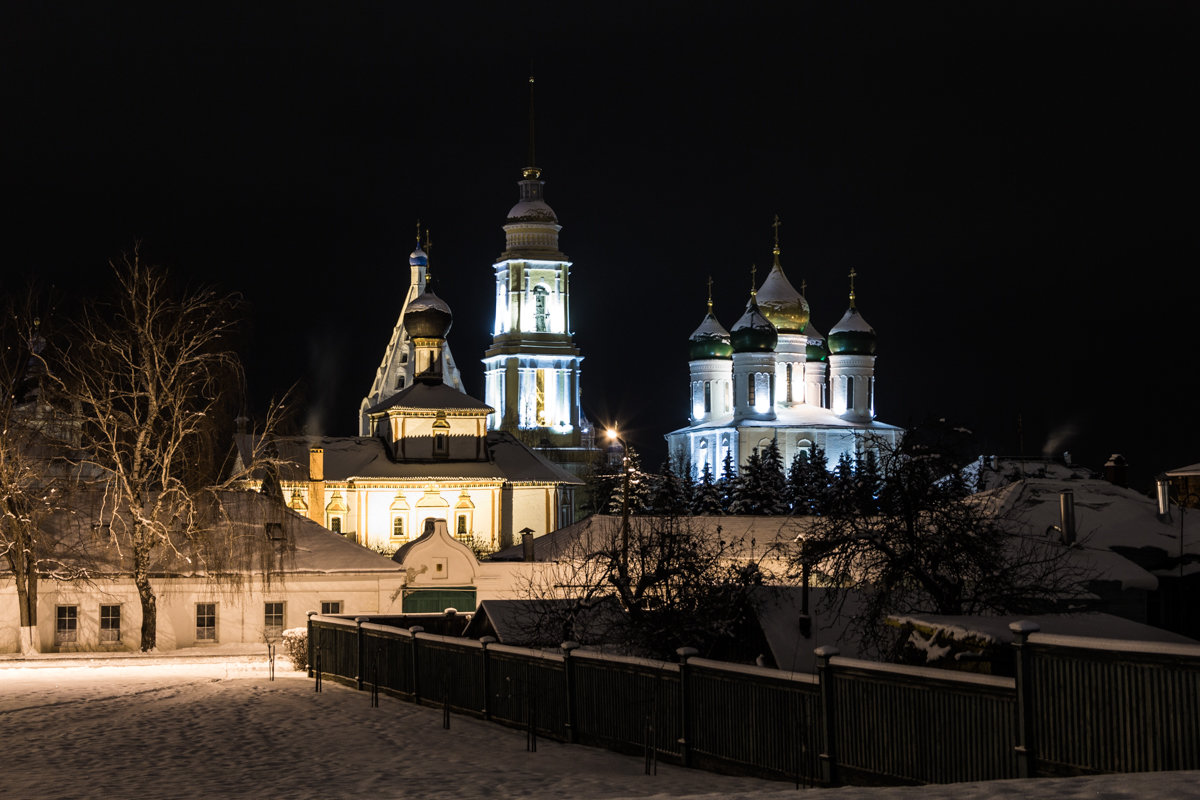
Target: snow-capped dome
[[852, 335], [710, 340], [753, 332], [428, 317], [815, 350], [532, 211], [418, 258], [781, 303]]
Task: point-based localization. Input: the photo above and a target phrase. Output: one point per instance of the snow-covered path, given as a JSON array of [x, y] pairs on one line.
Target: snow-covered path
[[218, 730]]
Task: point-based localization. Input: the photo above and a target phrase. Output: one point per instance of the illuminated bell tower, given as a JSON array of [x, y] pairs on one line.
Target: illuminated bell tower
[[531, 370]]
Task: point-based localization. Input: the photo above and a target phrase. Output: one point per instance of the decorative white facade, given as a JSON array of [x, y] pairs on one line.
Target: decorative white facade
[[398, 368], [532, 369], [774, 377]]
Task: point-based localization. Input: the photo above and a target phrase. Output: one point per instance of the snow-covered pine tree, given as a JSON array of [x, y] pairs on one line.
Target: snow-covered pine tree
[[774, 488], [707, 497]]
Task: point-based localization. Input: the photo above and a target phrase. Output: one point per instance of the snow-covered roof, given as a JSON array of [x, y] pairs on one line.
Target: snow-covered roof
[[366, 457], [852, 320], [802, 415], [420, 396], [752, 535], [299, 546], [1190, 471], [995, 629]]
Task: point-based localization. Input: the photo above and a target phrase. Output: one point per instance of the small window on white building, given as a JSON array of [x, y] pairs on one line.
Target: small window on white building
[[206, 622], [335, 523], [66, 624], [110, 623], [461, 528], [273, 621], [397, 527], [331, 606]]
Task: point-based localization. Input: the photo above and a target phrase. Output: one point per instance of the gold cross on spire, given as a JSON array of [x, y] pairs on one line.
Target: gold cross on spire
[[853, 274], [428, 250], [418, 233], [775, 225], [710, 294], [753, 280], [803, 286]]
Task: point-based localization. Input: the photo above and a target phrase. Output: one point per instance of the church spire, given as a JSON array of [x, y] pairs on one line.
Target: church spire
[[710, 294], [853, 274], [775, 225], [531, 172]]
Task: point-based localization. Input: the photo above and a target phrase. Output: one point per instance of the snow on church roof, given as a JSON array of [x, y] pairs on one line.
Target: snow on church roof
[[797, 416], [364, 457], [430, 397]]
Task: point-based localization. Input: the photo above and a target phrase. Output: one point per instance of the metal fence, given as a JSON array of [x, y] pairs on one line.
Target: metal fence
[[1076, 706]]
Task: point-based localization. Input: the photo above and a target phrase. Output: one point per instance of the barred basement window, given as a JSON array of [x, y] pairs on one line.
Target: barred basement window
[[206, 622], [110, 623], [273, 621], [66, 624], [331, 606]]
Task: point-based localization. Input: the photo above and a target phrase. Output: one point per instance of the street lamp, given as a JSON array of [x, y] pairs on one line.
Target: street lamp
[[613, 436]]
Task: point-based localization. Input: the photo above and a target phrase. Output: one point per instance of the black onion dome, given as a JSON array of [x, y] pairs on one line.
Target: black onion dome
[[428, 317], [852, 336], [815, 350], [710, 340], [753, 333]]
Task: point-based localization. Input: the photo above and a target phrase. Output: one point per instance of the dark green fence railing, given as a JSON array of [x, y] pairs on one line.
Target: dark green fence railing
[[1076, 706]]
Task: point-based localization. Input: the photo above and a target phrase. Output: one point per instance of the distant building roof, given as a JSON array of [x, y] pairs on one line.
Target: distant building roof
[[420, 396]]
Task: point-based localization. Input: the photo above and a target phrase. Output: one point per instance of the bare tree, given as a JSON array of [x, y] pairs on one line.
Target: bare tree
[[678, 583], [924, 545], [34, 479], [154, 381]]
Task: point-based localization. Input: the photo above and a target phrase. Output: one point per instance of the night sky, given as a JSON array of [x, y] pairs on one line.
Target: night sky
[[1015, 184]]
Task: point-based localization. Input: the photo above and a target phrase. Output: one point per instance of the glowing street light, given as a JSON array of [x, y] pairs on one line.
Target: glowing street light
[[615, 437]]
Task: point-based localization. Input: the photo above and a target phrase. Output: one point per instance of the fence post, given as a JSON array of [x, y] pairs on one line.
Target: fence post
[[685, 734], [484, 641], [309, 658], [358, 656], [829, 766], [1026, 744], [416, 680], [569, 681]]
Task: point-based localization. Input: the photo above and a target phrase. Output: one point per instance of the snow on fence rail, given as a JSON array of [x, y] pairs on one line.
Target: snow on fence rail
[[1076, 706]]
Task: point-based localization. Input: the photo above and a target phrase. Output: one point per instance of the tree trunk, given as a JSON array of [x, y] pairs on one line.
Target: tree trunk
[[149, 609], [27, 601]]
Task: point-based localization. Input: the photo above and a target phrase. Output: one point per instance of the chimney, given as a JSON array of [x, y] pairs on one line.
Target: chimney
[[1066, 510], [1163, 493], [316, 464], [316, 485], [527, 543], [1116, 470]]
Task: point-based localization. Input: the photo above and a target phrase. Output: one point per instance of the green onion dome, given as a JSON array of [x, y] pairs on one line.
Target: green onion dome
[[781, 304], [852, 336], [816, 350], [753, 333], [428, 317], [710, 340]]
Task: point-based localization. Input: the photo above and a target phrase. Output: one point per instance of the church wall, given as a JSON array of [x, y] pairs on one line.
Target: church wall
[[533, 507]]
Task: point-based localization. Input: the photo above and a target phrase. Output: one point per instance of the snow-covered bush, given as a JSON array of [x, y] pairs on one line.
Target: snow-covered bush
[[295, 647]]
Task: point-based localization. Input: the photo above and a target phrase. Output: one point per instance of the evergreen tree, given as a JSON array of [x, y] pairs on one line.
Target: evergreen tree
[[774, 483], [639, 486], [669, 497], [819, 480], [707, 497], [843, 495], [868, 483], [729, 477], [799, 484], [746, 491]]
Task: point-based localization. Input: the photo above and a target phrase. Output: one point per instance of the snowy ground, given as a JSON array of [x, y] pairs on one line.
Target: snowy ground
[[179, 727]]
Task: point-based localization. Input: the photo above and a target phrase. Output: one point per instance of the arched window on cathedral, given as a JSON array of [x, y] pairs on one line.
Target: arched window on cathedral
[[804, 445], [750, 398], [702, 457], [539, 309], [850, 393], [708, 397]]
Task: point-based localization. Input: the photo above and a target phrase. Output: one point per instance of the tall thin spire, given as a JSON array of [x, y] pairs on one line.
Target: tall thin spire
[[852, 276], [753, 281], [428, 249], [710, 294], [775, 225], [531, 171]]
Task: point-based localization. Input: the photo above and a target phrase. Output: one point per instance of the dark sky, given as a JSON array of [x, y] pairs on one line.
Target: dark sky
[[1015, 184]]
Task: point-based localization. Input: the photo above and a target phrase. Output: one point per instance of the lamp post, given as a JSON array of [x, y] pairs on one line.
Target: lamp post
[[1164, 503], [613, 436]]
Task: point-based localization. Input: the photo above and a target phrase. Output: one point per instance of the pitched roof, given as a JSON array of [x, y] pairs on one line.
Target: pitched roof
[[420, 396]]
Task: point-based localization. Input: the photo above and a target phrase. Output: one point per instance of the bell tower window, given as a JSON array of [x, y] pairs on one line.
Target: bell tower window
[[539, 309]]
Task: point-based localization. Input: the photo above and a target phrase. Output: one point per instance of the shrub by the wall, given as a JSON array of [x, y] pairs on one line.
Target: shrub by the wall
[[295, 647]]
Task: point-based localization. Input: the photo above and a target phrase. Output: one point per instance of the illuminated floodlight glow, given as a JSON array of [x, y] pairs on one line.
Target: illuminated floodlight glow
[[611, 433]]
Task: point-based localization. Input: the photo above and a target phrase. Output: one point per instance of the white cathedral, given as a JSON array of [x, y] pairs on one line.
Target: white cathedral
[[774, 377]]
